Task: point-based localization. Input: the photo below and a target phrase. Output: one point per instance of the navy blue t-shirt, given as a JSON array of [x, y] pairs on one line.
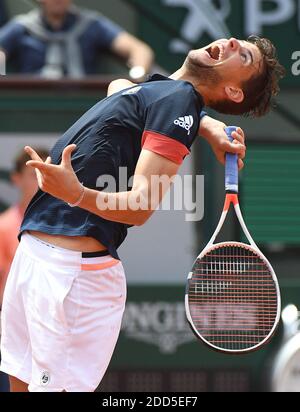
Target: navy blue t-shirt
[[161, 115], [27, 53]]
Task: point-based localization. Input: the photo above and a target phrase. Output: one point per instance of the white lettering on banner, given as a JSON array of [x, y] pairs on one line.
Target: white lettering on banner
[[296, 65], [220, 316], [202, 17], [256, 18], [160, 323]]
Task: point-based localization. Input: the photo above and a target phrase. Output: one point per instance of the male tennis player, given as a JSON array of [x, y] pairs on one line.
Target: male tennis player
[[65, 298]]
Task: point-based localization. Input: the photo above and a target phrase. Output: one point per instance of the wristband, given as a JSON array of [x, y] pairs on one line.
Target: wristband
[[80, 198]]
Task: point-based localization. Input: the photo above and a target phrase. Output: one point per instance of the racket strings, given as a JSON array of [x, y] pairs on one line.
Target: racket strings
[[233, 298]]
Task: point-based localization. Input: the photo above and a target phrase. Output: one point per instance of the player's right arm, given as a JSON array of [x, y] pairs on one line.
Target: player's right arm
[[134, 207], [152, 180]]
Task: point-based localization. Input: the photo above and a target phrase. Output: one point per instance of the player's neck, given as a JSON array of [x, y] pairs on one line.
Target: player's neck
[[179, 75], [205, 91]]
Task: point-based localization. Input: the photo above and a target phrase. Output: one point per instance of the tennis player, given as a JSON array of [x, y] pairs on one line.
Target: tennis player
[[65, 297]]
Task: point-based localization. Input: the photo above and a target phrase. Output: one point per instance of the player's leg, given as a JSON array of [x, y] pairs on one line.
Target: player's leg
[[74, 308], [15, 340], [100, 292], [16, 385]]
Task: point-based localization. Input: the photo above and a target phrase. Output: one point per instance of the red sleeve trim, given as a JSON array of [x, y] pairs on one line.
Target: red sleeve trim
[[165, 146]]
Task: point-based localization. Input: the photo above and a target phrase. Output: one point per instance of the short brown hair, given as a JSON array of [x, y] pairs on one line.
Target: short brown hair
[[22, 158], [260, 90]]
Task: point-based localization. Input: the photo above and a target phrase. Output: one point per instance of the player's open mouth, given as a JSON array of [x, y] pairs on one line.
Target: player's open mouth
[[216, 52]]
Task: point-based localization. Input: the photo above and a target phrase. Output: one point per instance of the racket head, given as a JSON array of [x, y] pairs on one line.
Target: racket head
[[233, 301]]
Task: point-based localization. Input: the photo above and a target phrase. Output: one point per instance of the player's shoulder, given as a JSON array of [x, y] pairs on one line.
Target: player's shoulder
[[159, 87], [167, 83]]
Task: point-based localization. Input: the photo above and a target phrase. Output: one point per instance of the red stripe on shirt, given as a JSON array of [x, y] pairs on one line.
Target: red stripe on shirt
[[164, 146]]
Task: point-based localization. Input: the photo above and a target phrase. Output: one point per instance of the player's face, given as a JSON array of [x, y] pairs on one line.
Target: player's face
[[231, 60], [56, 6]]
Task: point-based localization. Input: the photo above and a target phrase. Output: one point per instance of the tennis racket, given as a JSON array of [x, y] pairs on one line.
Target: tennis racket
[[233, 301]]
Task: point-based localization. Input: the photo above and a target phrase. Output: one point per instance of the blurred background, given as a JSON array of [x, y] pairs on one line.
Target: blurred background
[[157, 351]]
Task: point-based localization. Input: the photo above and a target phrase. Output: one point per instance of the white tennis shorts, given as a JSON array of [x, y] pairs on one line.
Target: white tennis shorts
[[61, 317]]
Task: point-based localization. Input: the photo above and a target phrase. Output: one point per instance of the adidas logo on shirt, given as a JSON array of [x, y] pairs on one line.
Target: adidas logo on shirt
[[185, 122]]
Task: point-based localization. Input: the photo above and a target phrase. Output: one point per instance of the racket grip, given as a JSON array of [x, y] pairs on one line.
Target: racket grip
[[232, 168]]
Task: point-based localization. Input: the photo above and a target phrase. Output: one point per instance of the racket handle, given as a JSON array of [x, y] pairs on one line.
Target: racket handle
[[232, 168]]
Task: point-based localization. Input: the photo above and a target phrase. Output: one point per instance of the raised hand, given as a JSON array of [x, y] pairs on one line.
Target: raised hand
[[59, 181]]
